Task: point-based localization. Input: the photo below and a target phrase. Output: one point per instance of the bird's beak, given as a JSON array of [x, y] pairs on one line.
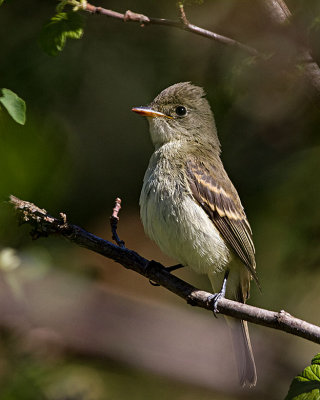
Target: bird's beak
[[148, 112]]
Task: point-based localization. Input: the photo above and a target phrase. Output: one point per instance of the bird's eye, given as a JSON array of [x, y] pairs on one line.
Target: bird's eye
[[181, 111]]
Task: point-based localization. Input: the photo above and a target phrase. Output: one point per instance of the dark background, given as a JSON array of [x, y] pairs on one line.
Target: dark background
[[77, 326]]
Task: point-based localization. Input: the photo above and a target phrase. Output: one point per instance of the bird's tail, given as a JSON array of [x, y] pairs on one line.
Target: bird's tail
[[243, 352], [238, 285]]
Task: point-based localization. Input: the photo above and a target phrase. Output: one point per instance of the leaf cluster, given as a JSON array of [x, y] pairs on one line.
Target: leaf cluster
[[306, 386], [62, 26]]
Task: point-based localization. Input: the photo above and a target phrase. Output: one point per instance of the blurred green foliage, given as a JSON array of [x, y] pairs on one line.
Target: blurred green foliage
[[81, 146]]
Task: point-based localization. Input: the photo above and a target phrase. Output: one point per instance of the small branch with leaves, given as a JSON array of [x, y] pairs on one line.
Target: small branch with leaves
[[70, 25], [44, 225], [143, 20]]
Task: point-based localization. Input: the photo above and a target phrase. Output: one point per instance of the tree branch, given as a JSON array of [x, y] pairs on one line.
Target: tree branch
[[183, 24], [277, 10], [280, 14], [44, 225]]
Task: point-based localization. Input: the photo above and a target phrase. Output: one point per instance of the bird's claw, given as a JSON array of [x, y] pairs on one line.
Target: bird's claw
[[213, 301], [216, 297]]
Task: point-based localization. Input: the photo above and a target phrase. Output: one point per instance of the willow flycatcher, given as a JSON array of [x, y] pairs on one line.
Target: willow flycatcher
[[190, 207]]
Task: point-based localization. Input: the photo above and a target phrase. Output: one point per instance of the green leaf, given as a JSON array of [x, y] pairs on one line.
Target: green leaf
[[61, 5], [316, 359], [1, 1], [15, 106], [306, 386], [62, 26]]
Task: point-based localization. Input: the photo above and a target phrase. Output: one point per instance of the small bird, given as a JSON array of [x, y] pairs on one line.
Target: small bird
[[191, 209]]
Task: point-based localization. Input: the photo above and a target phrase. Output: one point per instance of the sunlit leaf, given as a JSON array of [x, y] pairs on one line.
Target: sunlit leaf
[[15, 106], [61, 5], [306, 386], [62, 26]]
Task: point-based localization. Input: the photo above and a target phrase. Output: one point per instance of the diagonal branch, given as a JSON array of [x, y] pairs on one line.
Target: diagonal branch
[[277, 10], [44, 225], [183, 24]]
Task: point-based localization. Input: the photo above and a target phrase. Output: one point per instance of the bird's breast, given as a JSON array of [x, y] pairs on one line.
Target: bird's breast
[[174, 220]]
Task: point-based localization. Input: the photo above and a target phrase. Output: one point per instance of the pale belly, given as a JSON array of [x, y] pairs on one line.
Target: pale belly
[[183, 230]]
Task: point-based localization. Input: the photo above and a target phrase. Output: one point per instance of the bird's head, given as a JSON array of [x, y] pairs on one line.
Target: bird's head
[[182, 114]]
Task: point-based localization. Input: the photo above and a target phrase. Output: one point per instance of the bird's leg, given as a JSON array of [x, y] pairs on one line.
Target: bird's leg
[[168, 269], [215, 298]]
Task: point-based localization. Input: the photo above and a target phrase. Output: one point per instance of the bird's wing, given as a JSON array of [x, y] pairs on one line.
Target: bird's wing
[[213, 190]]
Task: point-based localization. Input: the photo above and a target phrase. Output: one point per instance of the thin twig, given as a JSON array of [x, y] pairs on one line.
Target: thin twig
[[44, 224], [277, 10], [183, 24], [114, 219], [183, 17]]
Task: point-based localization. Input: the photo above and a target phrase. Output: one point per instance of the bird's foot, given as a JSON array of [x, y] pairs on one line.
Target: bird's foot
[[213, 300]]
